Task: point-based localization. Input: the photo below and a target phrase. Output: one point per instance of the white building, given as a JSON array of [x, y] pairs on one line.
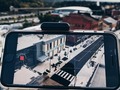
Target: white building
[[50, 46], [46, 46]]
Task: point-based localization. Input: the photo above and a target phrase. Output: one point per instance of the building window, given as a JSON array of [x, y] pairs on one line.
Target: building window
[[54, 44], [50, 45], [64, 39], [48, 54], [57, 42], [61, 40], [83, 26]]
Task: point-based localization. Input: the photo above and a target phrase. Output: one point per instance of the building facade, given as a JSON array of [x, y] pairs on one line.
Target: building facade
[[49, 48], [81, 21]]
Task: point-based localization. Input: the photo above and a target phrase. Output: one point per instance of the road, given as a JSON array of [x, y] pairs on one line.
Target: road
[[70, 70]]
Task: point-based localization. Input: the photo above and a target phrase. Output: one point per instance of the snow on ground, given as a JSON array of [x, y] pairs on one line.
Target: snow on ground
[[33, 28], [24, 73], [117, 33]]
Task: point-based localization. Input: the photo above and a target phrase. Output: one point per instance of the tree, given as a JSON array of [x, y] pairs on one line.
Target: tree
[[49, 18], [5, 4]]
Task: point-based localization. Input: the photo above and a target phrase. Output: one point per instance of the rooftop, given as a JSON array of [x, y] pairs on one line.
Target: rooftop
[[110, 20], [76, 8], [29, 40], [27, 77]]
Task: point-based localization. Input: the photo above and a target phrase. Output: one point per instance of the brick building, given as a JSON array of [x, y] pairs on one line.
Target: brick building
[[81, 21]]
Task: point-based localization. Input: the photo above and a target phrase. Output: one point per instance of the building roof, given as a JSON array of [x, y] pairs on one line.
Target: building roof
[[24, 75], [80, 8], [26, 41], [89, 17], [33, 28], [86, 16], [110, 20]]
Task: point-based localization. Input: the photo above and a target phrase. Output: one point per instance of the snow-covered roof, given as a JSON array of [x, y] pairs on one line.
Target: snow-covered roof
[[110, 20], [33, 28], [75, 8], [25, 78], [26, 41]]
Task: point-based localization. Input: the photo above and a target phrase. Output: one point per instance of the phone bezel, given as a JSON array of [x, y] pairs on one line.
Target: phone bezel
[[66, 32]]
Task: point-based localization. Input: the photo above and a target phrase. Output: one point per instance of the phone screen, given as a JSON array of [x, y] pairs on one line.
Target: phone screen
[[60, 60]]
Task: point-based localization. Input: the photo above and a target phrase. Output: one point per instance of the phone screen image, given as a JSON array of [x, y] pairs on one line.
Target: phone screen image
[[60, 60]]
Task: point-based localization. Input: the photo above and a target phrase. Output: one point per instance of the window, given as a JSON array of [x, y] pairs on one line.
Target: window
[[48, 54], [54, 44], [57, 42], [61, 40], [50, 45]]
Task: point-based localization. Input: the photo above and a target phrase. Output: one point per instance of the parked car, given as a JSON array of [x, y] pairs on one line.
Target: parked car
[[84, 45]]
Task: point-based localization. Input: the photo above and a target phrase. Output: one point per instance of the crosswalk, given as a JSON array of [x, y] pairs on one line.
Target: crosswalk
[[65, 75]]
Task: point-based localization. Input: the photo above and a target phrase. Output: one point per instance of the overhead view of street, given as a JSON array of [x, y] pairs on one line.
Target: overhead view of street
[[59, 60]]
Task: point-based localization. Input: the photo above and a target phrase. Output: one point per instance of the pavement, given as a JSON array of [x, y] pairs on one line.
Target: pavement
[[33, 28]]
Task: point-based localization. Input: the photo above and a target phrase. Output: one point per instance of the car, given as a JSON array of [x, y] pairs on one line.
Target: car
[[64, 58], [84, 45], [74, 48]]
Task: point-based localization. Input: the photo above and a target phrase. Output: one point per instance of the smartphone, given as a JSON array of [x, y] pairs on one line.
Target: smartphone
[[61, 60]]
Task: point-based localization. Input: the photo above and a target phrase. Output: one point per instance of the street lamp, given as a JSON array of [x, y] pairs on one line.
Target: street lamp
[[59, 58], [68, 52], [75, 73], [49, 63]]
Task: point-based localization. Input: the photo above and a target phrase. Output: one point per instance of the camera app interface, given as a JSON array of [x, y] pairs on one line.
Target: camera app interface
[[60, 60]]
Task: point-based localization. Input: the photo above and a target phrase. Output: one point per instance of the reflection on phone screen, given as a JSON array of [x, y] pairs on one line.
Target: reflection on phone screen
[[60, 60]]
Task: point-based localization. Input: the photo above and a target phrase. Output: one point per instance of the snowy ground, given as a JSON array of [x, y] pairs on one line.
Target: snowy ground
[[33, 28]]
